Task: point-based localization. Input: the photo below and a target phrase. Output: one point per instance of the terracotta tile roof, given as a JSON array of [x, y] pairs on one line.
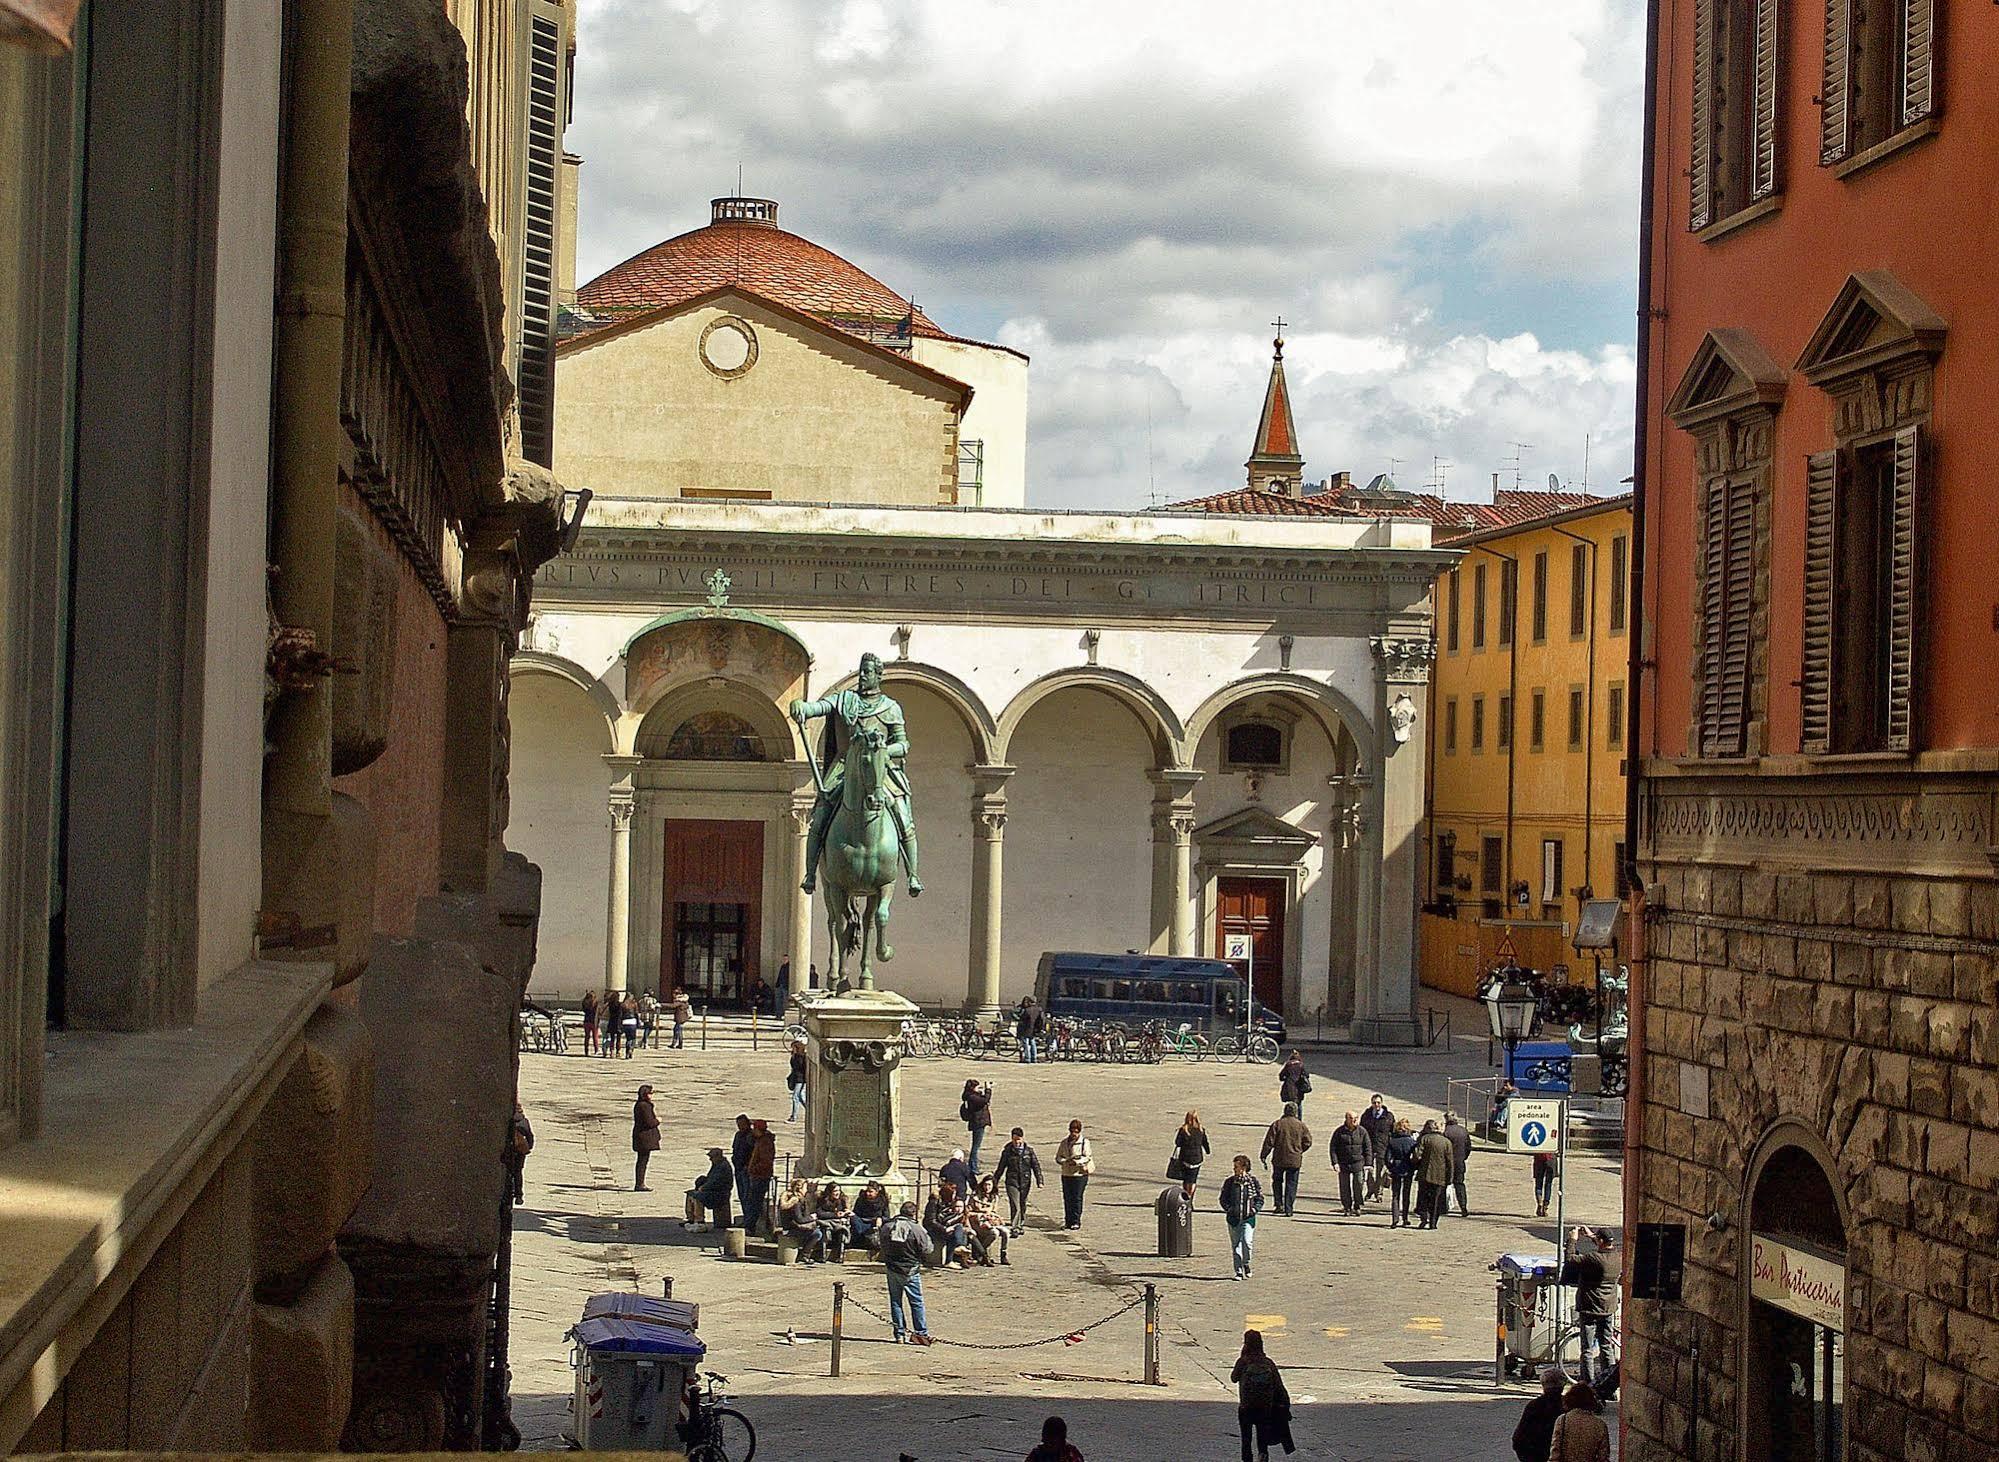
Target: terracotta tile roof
[[761, 257], [1448, 519], [1257, 502]]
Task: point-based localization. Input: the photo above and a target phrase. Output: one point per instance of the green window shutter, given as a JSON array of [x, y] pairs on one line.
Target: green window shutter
[[1836, 85], [1919, 67], [1700, 165], [1905, 585], [1763, 103], [1823, 489]]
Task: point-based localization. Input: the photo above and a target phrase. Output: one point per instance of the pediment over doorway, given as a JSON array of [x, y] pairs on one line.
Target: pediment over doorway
[[1253, 835]]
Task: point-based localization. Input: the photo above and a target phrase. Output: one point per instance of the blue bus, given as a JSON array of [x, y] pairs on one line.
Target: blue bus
[[1208, 994]]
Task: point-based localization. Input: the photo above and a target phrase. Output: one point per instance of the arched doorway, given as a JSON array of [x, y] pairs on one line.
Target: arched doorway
[[1794, 1338]]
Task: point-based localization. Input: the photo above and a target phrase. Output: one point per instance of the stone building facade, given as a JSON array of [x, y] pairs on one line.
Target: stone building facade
[[1815, 1059], [264, 557]]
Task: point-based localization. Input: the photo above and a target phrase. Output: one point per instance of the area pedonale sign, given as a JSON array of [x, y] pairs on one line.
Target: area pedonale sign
[[1807, 1284]]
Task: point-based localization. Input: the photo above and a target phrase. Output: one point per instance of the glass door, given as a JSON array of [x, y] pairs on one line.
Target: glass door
[[708, 950]]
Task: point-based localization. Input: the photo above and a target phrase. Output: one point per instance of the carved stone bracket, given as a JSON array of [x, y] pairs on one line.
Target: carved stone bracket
[[1403, 660], [989, 801]]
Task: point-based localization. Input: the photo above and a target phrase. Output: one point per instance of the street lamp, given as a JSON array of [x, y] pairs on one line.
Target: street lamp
[[1510, 1005]]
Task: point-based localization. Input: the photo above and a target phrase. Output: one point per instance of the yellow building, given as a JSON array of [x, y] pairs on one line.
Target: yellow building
[[1526, 813]]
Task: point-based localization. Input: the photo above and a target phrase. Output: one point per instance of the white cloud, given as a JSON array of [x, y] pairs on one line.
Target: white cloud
[[1130, 190]]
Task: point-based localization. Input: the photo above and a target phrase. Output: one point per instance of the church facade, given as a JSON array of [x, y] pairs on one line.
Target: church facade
[[1128, 732]]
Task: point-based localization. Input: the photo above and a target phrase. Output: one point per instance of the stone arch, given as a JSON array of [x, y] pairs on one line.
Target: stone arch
[[1162, 726], [1335, 713], [651, 731], [540, 662], [979, 723], [1789, 1133]]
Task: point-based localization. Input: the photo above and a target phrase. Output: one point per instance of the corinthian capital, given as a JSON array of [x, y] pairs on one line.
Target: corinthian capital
[[1403, 659]]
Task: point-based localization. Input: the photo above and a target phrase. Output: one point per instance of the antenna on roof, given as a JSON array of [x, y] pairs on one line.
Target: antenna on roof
[[1519, 454], [739, 178], [1438, 468], [1151, 480], [1586, 464]]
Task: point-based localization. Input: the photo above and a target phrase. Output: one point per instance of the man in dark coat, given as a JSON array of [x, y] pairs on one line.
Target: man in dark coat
[[739, 1159], [645, 1137], [763, 1167], [1284, 1149], [520, 1142], [1019, 1172], [712, 1192], [1460, 1136], [1536, 1432], [1353, 1155], [1434, 1164], [1380, 1124], [1293, 1082], [1596, 1285]]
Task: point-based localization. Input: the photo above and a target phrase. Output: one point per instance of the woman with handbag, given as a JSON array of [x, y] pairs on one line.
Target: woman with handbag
[[1190, 1150], [1580, 1435], [1263, 1406]]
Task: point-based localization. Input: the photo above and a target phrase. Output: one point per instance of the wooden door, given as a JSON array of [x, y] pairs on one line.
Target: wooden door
[[715, 871], [1255, 906]]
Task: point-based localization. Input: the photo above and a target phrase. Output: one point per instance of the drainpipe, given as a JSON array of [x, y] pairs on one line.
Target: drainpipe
[[1634, 1153], [305, 415]]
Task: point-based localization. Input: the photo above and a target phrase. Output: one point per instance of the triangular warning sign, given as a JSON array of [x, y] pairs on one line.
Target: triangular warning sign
[[1505, 955]]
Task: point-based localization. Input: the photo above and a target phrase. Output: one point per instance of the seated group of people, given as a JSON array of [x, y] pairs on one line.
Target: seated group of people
[[822, 1222], [965, 1222]]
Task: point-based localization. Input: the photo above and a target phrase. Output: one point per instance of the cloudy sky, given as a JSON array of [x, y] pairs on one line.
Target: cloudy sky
[[1438, 195]]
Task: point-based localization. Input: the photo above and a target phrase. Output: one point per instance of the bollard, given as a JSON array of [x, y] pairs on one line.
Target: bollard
[[666, 1286], [704, 1027], [1499, 1344], [1151, 1336], [753, 1030], [839, 1304]]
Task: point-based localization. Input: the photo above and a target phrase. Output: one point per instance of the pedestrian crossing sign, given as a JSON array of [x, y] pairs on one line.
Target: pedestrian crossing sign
[[1533, 1124]]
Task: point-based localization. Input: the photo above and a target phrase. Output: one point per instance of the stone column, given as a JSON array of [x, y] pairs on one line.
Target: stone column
[[1391, 816], [618, 913], [801, 901], [1173, 860], [982, 989]]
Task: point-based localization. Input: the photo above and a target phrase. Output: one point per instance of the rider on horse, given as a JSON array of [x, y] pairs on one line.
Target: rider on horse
[[862, 709]]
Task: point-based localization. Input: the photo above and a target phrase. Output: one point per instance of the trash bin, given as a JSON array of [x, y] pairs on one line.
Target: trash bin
[[632, 1376], [678, 1314], [1526, 1335], [1176, 1223]]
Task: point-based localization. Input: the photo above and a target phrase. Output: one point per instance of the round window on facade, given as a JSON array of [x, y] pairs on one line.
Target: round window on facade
[[729, 346]]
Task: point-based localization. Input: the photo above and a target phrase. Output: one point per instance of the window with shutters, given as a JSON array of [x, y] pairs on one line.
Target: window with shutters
[[1509, 599], [1727, 401], [1451, 726], [1451, 613], [1537, 720], [1478, 607], [1540, 598], [545, 111], [1733, 113], [1613, 716], [1478, 723], [1491, 861], [1578, 590], [1502, 730], [1880, 87], [1578, 709], [1865, 500], [1620, 568]]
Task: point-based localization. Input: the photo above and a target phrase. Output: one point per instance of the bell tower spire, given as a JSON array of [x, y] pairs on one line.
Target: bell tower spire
[[1274, 462]]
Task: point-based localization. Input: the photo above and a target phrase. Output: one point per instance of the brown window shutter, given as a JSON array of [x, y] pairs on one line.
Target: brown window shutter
[[1823, 489], [1700, 166], [1739, 583], [1835, 88], [1714, 619], [1763, 106], [1905, 585], [1919, 67]]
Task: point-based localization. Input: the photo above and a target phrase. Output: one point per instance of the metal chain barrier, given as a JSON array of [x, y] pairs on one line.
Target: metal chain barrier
[[1066, 1335]]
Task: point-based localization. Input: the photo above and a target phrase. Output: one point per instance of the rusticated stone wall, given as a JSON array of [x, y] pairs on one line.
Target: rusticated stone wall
[[1825, 975]]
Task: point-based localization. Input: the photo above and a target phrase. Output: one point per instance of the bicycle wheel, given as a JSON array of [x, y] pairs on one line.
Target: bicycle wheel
[[1262, 1049], [1226, 1048], [1119, 1049], [730, 1438]]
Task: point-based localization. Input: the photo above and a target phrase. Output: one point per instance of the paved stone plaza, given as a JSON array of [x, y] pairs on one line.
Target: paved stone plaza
[[1386, 1337]]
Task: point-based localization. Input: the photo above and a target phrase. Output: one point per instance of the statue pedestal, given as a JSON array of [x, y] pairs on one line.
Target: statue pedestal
[[853, 1088]]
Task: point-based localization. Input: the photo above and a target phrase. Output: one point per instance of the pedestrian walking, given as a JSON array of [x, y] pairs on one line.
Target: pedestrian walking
[[628, 1023], [1055, 1444], [649, 1020], [975, 1110], [645, 1137], [1580, 1434], [1353, 1154], [1380, 1125], [763, 1168], [1536, 1430], [708, 1199], [520, 1142], [1434, 1164], [739, 1160], [1263, 1406], [1547, 1167], [1401, 1172], [1019, 1172], [1293, 1082], [1075, 1161], [1242, 1201], [682, 1013], [905, 1249], [796, 1080], [589, 1022], [1190, 1150], [1023, 1030], [1460, 1140], [1596, 1299], [783, 985], [1284, 1149]]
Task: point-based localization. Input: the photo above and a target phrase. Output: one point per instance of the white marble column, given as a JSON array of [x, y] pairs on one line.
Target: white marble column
[[1392, 814], [618, 912], [1173, 860], [982, 987], [801, 901]]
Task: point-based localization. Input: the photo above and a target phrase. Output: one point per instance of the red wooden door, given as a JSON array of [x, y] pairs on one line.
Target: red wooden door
[[1255, 906], [714, 877]]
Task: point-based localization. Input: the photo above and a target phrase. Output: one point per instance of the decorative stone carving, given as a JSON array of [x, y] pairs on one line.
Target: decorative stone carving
[[1401, 718], [314, 1151], [1403, 659]]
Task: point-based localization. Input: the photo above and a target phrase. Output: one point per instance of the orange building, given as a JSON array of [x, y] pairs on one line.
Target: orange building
[[1815, 1078]]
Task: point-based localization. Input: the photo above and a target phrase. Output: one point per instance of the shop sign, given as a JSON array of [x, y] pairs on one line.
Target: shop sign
[[1806, 1284]]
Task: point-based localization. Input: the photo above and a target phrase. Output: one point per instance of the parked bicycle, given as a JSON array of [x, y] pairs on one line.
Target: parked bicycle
[[714, 1430]]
